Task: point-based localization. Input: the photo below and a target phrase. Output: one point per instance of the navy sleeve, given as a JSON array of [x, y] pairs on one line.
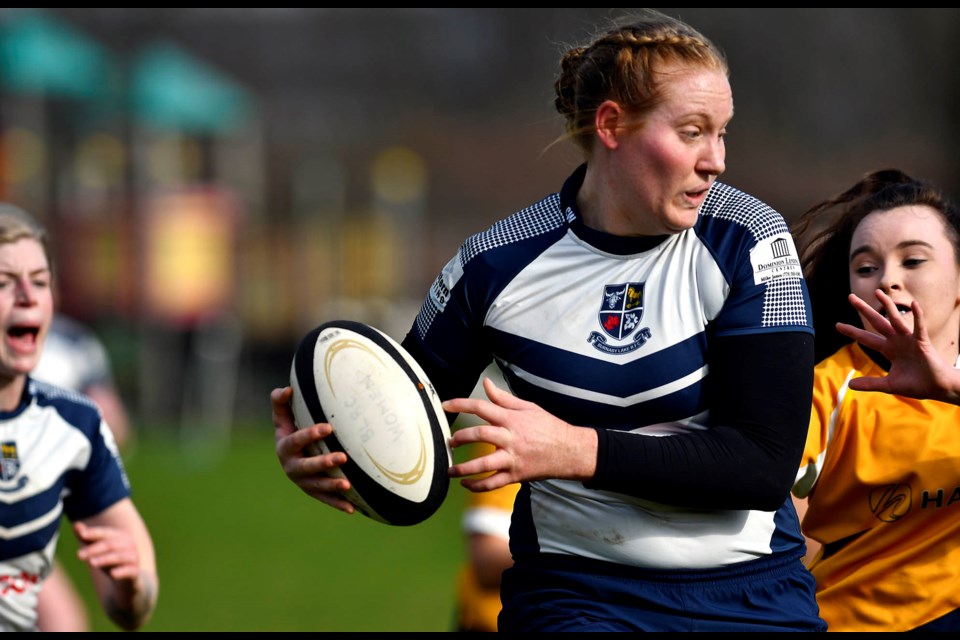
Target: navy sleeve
[[448, 383], [102, 482], [761, 389]]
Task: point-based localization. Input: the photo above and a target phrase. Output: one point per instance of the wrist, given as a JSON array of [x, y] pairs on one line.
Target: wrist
[[584, 453], [953, 388], [132, 605]]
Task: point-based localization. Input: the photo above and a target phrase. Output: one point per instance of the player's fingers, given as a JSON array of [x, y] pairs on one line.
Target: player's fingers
[[919, 322], [497, 436], [502, 397], [82, 531], [112, 558], [280, 401], [483, 409], [94, 549], [318, 482], [496, 461], [469, 468], [334, 500], [313, 474], [90, 535], [281, 414], [487, 483], [880, 324], [896, 320], [129, 572], [281, 395], [866, 338], [299, 442], [869, 383]]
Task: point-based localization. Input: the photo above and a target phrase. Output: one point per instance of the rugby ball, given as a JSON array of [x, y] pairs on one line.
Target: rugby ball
[[386, 417]]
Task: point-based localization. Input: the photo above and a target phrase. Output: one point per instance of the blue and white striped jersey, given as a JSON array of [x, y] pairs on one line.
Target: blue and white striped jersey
[[58, 458], [614, 333]]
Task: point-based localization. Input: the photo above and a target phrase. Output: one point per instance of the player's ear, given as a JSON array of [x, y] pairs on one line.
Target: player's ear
[[608, 121]]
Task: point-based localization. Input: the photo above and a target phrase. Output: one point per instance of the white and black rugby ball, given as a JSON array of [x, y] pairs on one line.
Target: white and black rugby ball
[[386, 417]]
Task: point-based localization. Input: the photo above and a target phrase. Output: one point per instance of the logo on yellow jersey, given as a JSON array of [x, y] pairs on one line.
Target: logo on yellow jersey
[[892, 502]]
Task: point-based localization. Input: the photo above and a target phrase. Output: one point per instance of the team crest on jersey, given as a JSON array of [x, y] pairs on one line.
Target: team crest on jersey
[[620, 312], [10, 463]]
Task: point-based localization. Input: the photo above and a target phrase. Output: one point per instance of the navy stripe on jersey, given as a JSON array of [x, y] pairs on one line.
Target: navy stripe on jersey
[[587, 391], [16, 513], [623, 383], [18, 546], [675, 405]]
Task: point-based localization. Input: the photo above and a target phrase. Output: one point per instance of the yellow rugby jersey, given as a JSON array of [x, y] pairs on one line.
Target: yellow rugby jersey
[[882, 477]]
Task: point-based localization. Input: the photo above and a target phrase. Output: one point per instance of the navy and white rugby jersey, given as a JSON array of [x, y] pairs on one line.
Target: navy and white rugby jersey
[[58, 458], [613, 333]]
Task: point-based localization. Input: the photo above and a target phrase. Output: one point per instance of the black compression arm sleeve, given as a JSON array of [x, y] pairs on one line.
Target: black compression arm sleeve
[[761, 388]]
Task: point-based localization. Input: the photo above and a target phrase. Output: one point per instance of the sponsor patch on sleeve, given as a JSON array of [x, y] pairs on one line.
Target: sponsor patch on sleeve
[[775, 257], [440, 290]]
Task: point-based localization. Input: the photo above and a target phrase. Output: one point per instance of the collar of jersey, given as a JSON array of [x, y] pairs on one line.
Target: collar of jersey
[[609, 243]]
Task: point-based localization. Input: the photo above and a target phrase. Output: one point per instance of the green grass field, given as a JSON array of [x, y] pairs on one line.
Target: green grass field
[[241, 548]]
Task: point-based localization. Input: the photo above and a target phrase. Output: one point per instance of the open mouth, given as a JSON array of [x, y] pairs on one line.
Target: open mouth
[[902, 308], [23, 337]]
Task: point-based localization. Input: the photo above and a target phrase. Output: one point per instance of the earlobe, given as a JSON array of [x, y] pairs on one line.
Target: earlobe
[[608, 119]]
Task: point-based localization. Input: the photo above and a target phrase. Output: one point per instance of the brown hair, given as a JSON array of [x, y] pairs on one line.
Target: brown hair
[[824, 233], [623, 65], [17, 224]]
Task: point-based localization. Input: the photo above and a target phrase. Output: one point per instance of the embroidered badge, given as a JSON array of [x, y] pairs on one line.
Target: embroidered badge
[[620, 312], [10, 463]]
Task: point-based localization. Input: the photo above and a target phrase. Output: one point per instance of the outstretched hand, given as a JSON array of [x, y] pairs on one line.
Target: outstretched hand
[[530, 443], [917, 369]]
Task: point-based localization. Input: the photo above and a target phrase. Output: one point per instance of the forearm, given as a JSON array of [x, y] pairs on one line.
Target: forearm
[[117, 547], [129, 604], [714, 469]]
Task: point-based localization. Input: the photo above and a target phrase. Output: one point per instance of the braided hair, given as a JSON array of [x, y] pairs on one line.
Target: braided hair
[[626, 65]]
